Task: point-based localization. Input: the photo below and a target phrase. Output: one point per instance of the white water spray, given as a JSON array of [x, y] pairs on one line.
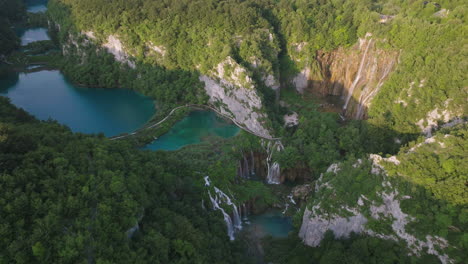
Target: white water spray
[[233, 223], [358, 76], [274, 170]]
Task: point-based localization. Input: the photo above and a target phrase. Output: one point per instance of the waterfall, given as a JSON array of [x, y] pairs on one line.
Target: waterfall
[[236, 217], [289, 201], [227, 218], [273, 168], [274, 173], [207, 181], [233, 223], [363, 100], [246, 166], [252, 167], [246, 213], [132, 230], [358, 76]]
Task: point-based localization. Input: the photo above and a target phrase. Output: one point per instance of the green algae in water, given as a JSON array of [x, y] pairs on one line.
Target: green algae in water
[[272, 223], [195, 128]]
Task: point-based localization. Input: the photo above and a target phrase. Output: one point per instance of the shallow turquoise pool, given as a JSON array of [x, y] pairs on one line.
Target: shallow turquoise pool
[[195, 128]]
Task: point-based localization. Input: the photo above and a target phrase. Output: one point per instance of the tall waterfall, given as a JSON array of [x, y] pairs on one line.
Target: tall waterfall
[[274, 170], [233, 223], [358, 75], [246, 166], [252, 158], [366, 96]]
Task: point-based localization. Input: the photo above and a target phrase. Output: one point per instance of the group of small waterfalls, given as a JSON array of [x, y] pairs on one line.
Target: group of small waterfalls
[[237, 217]]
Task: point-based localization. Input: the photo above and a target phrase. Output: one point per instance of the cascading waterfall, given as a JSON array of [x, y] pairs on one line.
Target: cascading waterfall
[[246, 166], [227, 218], [288, 202], [358, 76], [130, 232], [233, 223], [363, 100], [274, 170], [252, 158]]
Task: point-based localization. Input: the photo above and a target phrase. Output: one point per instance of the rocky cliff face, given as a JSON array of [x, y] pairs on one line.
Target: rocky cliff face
[[345, 215], [233, 92], [114, 46], [355, 74]]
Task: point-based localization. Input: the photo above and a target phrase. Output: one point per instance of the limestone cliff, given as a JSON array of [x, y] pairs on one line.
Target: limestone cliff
[[233, 92], [114, 46], [377, 212], [355, 74], [416, 198]]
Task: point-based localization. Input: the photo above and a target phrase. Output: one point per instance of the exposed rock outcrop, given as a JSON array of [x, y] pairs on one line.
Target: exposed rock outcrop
[[432, 119], [116, 48], [291, 120], [356, 74], [232, 91], [301, 192], [301, 81], [347, 217]]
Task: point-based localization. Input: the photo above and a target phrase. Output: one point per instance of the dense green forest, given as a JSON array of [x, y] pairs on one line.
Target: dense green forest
[[11, 11]]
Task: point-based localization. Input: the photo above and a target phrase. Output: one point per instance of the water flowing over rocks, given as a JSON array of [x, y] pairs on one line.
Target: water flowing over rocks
[[218, 199], [355, 74], [274, 170], [246, 167]]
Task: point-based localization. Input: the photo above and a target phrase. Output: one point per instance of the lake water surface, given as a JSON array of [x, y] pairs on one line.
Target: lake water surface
[[195, 128], [36, 6], [272, 223], [47, 94], [33, 34]]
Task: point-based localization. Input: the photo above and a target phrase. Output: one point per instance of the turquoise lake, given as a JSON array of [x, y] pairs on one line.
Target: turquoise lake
[[272, 223], [198, 126], [30, 35], [47, 94], [36, 6]]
